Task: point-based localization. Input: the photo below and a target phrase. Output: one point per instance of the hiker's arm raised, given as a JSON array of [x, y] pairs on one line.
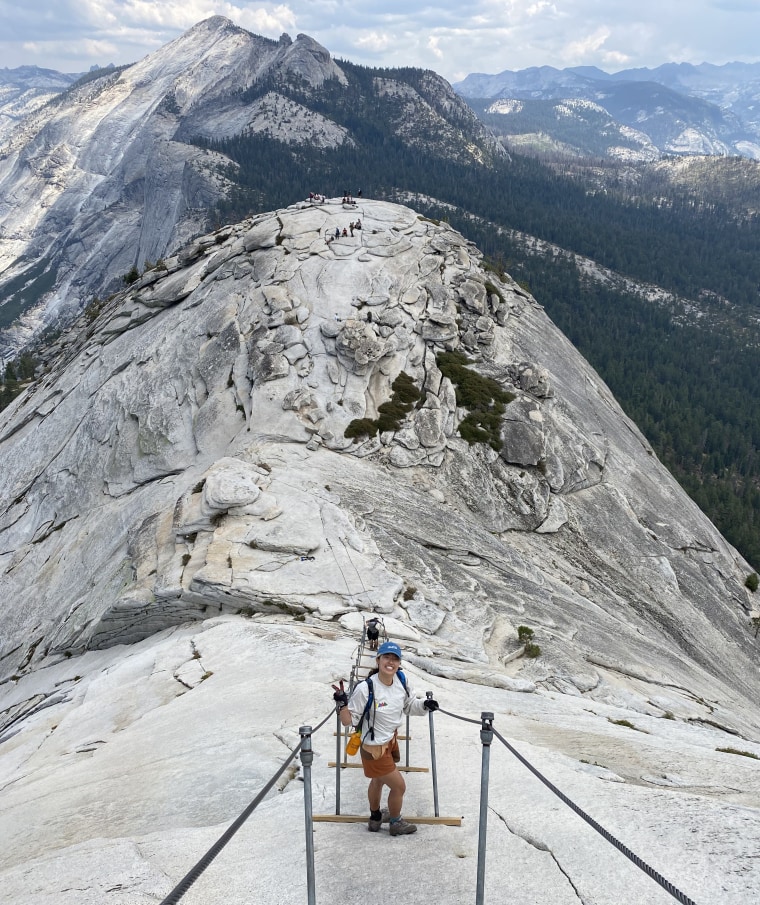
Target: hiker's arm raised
[[352, 714]]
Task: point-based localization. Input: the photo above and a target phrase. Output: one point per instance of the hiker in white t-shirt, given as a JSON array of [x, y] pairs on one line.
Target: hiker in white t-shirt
[[390, 700]]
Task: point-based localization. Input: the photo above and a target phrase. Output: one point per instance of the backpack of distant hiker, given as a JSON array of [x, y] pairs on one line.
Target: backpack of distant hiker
[[373, 630], [371, 701]]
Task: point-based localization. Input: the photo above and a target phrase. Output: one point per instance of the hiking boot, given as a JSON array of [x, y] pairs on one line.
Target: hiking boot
[[402, 828], [374, 825]]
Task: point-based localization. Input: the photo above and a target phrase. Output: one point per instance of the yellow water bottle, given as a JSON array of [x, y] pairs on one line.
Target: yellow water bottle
[[353, 744]]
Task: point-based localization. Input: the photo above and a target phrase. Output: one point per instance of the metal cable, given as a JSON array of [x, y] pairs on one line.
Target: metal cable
[[642, 865], [464, 719], [345, 580], [192, 875], [358, 575], [187, 881]]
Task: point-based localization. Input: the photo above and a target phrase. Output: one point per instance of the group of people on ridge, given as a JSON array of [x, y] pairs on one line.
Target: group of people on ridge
[[377, 707], [354, 224]]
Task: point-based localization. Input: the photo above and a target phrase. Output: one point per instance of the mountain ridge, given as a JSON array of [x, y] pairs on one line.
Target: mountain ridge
[[681, 108]]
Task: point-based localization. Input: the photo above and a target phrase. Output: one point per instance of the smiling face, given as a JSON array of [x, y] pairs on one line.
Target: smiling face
[[387, 665]]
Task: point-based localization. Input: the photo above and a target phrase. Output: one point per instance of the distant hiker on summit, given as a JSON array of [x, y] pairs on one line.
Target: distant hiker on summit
[[377, 708]]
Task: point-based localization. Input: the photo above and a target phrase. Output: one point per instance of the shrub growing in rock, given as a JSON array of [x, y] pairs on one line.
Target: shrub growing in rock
[[391, 413], [524, 634], [405, 389], [484, 397], [131, 276], [361, 427]]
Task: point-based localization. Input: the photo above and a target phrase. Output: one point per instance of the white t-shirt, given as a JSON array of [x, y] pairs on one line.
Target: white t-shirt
[[390, 704]]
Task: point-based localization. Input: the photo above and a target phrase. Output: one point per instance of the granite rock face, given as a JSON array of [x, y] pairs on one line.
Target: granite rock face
[[186, 455], [110, 176]]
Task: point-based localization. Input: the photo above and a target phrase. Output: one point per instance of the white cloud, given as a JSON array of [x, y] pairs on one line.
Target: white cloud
[[374, 41], [432, 44], [614, 59], [541, 8], [578, 51], [183, 14], [448, 36]]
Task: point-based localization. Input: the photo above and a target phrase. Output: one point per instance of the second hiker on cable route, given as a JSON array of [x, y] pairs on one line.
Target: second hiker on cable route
[[373, 632], [377, 708]]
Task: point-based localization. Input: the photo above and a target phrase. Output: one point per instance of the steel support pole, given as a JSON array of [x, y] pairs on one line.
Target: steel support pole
[[307, 758], [486, 737], [433, 767], [338, 745]]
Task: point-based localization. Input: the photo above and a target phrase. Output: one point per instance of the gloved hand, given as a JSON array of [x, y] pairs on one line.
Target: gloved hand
[[340, 697], [431, 704]]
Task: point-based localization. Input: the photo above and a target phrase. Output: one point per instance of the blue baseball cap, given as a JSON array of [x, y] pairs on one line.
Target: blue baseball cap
[[388, 647]]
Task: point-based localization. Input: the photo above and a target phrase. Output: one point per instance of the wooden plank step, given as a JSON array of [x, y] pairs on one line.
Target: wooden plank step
[[356, 818], [399, 767]]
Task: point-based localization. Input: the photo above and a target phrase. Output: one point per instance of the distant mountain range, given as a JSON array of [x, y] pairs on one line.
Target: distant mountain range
[[635, 114], [26, 89]]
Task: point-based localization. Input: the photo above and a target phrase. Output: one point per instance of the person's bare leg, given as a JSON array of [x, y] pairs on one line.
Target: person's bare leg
[[374, 792], [396, 788]]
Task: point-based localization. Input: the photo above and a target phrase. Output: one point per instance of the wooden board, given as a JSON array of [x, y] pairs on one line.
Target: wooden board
[[356, 818], [399, 767]]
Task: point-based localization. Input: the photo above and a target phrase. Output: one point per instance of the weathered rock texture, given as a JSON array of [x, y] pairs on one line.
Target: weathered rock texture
[[185, 456]]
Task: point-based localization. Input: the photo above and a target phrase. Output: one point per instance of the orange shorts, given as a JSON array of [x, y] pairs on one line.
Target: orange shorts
[[381, 766]]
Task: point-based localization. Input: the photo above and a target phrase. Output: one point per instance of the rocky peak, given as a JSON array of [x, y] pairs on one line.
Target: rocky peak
[[308, 60], [277, 420]]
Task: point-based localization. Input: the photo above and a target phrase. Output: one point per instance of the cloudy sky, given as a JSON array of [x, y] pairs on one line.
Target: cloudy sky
[[453, 37]]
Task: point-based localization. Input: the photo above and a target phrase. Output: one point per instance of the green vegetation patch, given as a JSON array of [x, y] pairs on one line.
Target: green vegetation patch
[[17, 377], [391, 413], [483, 396], [524, 633]]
